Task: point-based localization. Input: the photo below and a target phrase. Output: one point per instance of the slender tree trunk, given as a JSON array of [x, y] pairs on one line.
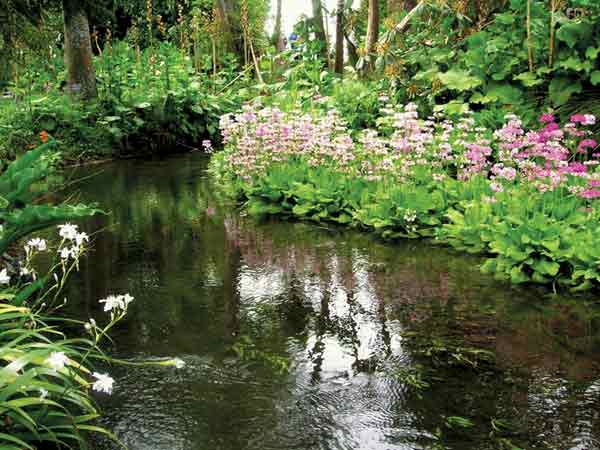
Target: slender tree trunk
[[529, 37], [372, 28], [339, 37], [352, 50], [277, 34], [81, 78], [318, 24]]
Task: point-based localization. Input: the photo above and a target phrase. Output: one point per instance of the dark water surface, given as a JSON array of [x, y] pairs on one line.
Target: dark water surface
[[299, 336]]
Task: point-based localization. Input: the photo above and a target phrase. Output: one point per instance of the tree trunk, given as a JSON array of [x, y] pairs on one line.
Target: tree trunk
[[352, 50], [81, 78], [277, 34], [339, 37], [372, 28], [318, 24]]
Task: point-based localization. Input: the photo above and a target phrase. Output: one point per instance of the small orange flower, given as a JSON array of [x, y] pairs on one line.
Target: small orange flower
[[44, 137]]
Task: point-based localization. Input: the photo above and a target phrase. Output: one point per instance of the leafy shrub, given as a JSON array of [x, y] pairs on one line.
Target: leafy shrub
[[19, 213]]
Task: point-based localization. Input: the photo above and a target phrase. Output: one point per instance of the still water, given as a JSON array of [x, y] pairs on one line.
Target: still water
[[300, 336]]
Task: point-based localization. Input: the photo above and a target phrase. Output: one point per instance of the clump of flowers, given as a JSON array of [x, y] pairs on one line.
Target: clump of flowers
[[546, 159]]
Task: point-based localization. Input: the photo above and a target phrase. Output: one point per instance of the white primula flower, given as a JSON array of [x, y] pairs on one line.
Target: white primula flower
[[57, 360], [4, 277], [103, 383], [43, 393], [68, 231]]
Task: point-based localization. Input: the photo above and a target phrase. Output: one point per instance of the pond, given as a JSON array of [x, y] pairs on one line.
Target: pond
[[305, 336]]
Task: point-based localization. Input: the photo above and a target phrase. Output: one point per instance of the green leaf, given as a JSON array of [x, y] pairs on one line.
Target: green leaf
[[592, 53], [459, 80], [545, 267], [8, 438], [552, 245], [575, 32], [576, 64], [517, 276], [505, 18], [529, 79], [595, 77], [505, 94], [562, 88], [455, 107]]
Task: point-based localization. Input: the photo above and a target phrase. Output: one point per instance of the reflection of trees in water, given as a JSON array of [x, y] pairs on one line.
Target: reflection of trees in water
[[424, 289], [356, 283], [203, 276]]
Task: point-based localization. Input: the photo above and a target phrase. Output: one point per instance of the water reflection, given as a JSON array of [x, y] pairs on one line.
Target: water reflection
[[346, 312]]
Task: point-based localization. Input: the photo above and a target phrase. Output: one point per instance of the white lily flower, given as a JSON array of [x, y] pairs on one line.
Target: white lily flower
[[37, 243], [103, 383], [68, 231], [80, 238], [57, 360]]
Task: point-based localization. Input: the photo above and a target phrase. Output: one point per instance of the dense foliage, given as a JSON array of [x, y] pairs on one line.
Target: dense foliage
[[465, 122], [505, 56]]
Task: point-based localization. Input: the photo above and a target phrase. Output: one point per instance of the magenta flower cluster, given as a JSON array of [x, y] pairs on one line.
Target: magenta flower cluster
[[547, 158]]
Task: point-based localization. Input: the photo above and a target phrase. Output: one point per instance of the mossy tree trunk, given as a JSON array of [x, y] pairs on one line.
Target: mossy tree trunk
[[319, 26], [277, 33], [81, 78], [372, 30], [339, 37]]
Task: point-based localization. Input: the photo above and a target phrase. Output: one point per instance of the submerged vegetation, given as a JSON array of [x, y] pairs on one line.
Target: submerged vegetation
[[471, 124]]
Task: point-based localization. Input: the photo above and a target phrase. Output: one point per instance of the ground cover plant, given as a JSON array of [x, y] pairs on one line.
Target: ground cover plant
[[526, 198]]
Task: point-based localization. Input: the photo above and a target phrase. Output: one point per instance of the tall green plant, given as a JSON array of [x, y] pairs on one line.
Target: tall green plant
[[21, 212]]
